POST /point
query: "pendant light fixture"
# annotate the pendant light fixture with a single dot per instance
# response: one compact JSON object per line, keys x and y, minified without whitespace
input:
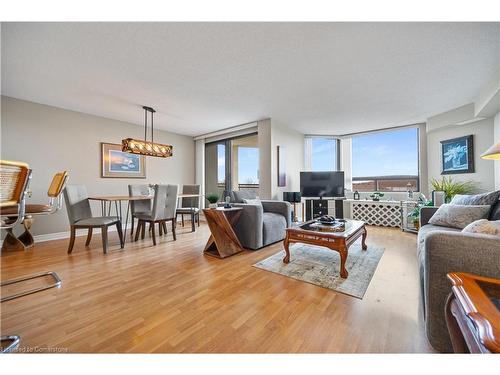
{"x":145,"y":147}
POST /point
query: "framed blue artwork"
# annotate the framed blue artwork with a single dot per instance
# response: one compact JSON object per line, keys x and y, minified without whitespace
{"x":457,"y":155}
{"x":118,"y":164}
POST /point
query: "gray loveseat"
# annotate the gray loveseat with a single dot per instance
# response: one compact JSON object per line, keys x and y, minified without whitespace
{"x":442,"y":250}
{"x":260,"y":225}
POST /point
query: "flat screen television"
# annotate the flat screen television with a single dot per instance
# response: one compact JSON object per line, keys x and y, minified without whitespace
{"x":322,"y":184}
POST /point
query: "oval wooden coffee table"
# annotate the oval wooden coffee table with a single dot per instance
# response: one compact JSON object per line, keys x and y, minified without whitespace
{"x":326,"y":236}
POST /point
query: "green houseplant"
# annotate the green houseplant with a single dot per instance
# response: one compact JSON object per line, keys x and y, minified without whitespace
{"x":451,"y":187}
{"x":376,"y":196}
{"x":212,"y":198}
{"x":414,"y":214}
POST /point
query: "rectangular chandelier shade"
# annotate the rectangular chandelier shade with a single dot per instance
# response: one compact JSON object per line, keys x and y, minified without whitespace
{"x":493,"y":153}
{"x":141,"y":147}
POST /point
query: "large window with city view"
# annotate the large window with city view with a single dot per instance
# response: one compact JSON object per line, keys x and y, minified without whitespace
{"x":386,"y":161}
{"x":321,"y":153}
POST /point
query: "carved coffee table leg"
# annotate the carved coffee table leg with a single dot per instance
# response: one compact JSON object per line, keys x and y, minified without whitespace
{"x":343,"y":259}
{"x":286,"y":245}
{"x":363,"y":240}
{"x":26,"y":238}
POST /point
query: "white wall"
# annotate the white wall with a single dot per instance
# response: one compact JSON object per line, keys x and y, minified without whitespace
{"x":265,"y":158}
{"x":496,"y":163}
{"x":51,"y":139}
{"x":293,"y":143}
{"x":483,"y":137}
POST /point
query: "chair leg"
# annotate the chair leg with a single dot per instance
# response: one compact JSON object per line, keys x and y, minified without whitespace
{"x":164,"y":225}
{"x":132,"y":229}
{"x":89,"y":237}
{"x":71,"y":239}
{"x":198,"y":218}
{"x":137,"y":231}
{"x":192,"y":222}
{"x":143,"y":230}
{"x":104,"y":234}
{"x":120,"y":233}
{"x":173,"y":230}
{"x":152,"y":226}
{"x":160,"y":227}
{"x":182,"y":216}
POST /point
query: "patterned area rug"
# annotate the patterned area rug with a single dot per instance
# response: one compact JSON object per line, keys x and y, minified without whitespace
{"x":320,"y":266}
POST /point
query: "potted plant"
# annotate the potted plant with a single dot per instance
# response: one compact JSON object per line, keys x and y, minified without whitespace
{"x":414,"y":214}
{"x":376,"y":196}
{"x":212,"y":198}
{"x":451,"y":187}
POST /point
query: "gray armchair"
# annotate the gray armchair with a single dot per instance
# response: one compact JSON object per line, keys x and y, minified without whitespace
{"x":442,"y":250}
{"x":260,"y":225}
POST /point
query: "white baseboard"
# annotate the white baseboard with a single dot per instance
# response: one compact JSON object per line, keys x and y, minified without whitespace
{"x":63,"y":235}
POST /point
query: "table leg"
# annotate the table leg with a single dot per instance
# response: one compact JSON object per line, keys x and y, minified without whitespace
{"x":11,"y":243}
{"x":457,"y":339}
{"x":363,"y":239}
{"x":286,"y":245}
{"x":26,"y":238}
{"x":126,"y":221}
{"x":343,"y":258}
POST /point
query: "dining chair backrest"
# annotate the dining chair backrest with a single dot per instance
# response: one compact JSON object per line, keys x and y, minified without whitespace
{"x":77,"y":203}
{"x":57,"y":185}
{"x":14,"y":181}
{"x":14,"y":177}
{"x":164,"y":202}
{"x":193,"y":202}
{"x":172,"y":201}
{"x":142,"y":205}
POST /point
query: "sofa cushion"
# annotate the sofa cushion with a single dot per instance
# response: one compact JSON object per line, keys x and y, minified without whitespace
{"x":243,"y":194}
{"x":425,"y":230}
{"x":274,"y":227}
{"x":256,"y":201}
{"x":477,"y":199}
{"x":458,"y":216}
{"x":495,"y":211}
{"x":483,"y":226}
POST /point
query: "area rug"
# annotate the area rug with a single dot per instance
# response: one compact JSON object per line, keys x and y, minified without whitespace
{"x":320,"y":266}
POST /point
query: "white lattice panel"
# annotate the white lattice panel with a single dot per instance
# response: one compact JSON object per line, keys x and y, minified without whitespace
{"x":385,"y":215}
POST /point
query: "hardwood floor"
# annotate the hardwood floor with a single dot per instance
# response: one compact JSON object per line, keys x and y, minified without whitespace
{"x":171,"y":298}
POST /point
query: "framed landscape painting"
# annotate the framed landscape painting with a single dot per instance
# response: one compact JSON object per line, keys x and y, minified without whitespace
{"x":118,"y":164}
{"x":457,"y":155}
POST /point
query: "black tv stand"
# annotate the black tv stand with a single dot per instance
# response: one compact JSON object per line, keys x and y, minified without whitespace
{"x":316,"y":207}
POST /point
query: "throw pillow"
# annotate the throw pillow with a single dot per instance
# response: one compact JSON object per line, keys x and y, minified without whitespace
{"x":458,"y":216}
{"x":483,"y":226}
{"x":478,"y":199}
{"x":253,"y":201}
{"x":240,"y":195}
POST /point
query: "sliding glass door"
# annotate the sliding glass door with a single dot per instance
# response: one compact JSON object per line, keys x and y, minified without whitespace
{"x":232,"y":164}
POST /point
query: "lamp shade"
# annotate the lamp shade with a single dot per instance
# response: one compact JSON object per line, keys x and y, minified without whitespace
{"x":493,"y":153}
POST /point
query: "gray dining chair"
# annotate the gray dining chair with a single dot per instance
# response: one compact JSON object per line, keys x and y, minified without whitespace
{"x":190,"y":205}
{"x":164,"y":209}
{"x":80,"y":216}
{"x":141,"y":206}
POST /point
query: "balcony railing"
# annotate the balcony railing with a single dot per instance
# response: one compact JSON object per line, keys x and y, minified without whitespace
{"x":385,"y":183}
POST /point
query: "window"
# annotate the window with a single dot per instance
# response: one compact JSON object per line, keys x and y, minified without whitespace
{"x":248,"y":165}
{"x":321,"y":153}
{"x":221,"y":163}
{"x":386,"y":161}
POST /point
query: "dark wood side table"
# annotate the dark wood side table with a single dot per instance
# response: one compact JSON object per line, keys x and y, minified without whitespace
{"x":223,"y":242}
{"x":473,"y":313}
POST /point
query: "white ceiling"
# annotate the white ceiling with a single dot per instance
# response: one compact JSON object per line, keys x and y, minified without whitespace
{"x":321,"y":78}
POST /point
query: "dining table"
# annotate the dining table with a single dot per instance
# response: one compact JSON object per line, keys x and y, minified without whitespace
{"x":107,"y":202}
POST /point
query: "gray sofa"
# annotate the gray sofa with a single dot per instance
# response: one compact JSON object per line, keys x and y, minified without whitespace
{"x":260,"y":225}
{"x":442,"y":250}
